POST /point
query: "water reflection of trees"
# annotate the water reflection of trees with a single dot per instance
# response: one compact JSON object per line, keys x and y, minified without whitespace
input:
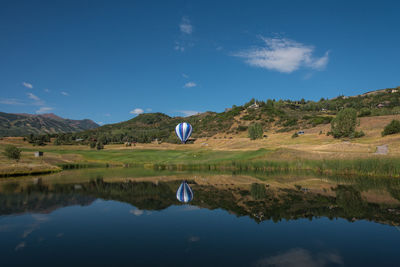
{"x":257,"y":201}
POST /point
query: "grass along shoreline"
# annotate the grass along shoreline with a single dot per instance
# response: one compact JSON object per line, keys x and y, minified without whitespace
{"x":261,"y":161}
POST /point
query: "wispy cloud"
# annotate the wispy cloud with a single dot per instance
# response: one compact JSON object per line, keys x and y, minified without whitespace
{"x":179,"y":47}
{"x":47,"y":90}
{"x":64,"y":93}
{"x":33,"y":97}
{"x":148,"y":109}
{"x":36,"y":99}
{"x":137,"y":111}
{"x":190,"y":85}
{"x":27,"y":85}
{"x":100,"y":123}
{"x":107,"y":115}
{"x":188,"y":113}
{"x":184,"y":75}
{"x":283,"y":55}
{"x":185,"y":26}
{"x":11,"y":101}
{"x":185,"y":40}
{"x":42,"y":110}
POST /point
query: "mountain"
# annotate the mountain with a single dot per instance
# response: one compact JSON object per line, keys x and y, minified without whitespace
{"x":277,"y":116}
{"x":24,"y":124}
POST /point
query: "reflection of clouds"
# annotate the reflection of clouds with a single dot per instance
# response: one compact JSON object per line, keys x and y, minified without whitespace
{"x":30,"y":230}
{"x":301,"y":257}
{"x":136,"y":212}
{"x":39,"y":218}
{"x":189,"y":208}
{"x":6,"y":227}
{"x":193,"y":239}
{"x":20,"y":246}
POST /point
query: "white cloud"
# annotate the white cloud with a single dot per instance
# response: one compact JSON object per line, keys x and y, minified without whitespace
{"x":64,"y":93}
{"x":100,"y":123}
{"x":283,"y":55}
{"x":27,"y":85}
{"x":11,"y":101}
{"x":42,"y":110}
{"x":37,"y":100}
{"x":188,"y":113}
{"x":32,"y":96}
{"x":148,"y":109}
{"x":179,"y":47}
{"x":47,"y":90}
{"x":190,"y":85}
{"x":184,"y":75}
{"x":185,"y":26}
{"x":136,"y":111}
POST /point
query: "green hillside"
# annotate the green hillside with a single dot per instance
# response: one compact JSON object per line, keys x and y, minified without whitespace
{"x":278,"y":116}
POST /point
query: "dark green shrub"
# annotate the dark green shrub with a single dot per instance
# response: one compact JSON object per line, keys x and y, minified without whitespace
{"x":392,"y":128}
{"x":364,"y":112}
{"x":99,"y":146}
{"x":345,"y":123}
{"x":255,"y":131}
{"x":92,"y":144}
{"x":242,"y":128}
{"x":295,"y":135}
{"x":12,"y":152}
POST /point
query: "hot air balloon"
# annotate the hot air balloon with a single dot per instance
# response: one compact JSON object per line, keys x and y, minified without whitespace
{"x":184,"y":193}
{"x":183,"y":131}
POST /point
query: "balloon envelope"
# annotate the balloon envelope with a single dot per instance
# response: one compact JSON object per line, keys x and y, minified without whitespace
{"x":184,"y":193}
{"x":183,"y":131}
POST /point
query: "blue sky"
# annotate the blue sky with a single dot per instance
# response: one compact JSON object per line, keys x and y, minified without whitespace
{"x":111,"y":60}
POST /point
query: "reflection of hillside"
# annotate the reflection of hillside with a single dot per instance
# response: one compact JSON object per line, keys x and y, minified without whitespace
{"x":39,"y":199}
{"x":258,"y":201}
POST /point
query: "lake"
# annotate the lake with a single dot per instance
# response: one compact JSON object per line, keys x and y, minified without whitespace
{"x":127,"y":216}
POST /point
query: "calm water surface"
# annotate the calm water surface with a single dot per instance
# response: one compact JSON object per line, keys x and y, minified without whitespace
{"x":132,"y":217}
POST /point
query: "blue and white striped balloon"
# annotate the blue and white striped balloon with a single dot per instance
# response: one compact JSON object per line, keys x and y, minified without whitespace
{"x":184,"y":193}
{"x":183,"y":131}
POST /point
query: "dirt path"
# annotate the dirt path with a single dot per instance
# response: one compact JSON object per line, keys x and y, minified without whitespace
{"x":382,"y":150}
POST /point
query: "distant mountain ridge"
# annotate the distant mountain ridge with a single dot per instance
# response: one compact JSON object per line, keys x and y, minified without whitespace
{"x":13,"y":124}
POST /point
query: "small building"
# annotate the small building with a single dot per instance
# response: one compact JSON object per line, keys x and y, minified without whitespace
{"x":254,"y":106}
{"x":38,"y":154}
{"x":383,"y":104}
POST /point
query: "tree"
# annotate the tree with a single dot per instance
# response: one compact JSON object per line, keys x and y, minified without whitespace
{"x":345,"y":123}
{"x":392,"y":128}
{"x":12,"y":152}
{"x":255,"y":131}
{"x":92,"y":144}
{"x":99,"y":146}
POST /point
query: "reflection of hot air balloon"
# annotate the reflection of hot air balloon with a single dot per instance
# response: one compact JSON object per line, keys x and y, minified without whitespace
{"x":183,"y":131}
{"x":184,"y":193}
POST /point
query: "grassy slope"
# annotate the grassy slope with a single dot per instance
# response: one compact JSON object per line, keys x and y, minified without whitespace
{"x":310,"y":151}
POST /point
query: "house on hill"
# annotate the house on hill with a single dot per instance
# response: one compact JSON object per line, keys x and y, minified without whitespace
{"x":254,"y":106}
{"x":383,"y":104}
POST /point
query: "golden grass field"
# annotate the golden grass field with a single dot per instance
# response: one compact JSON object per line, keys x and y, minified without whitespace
{"x":314,"y":144}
